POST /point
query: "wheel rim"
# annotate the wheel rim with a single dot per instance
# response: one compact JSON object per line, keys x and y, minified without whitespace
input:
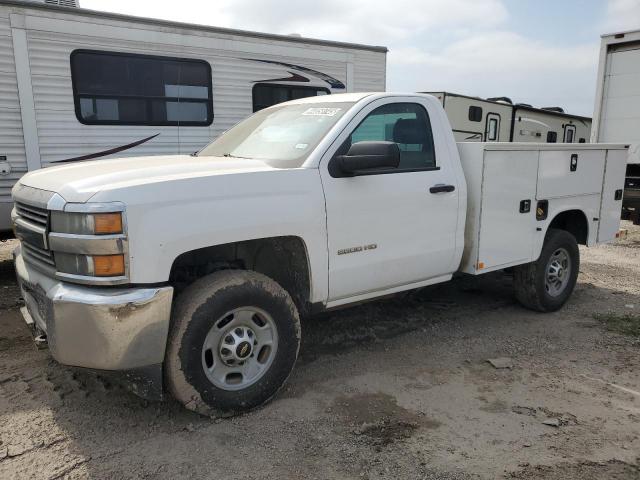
{"x":558,"y":272}
{"x":239,"y":348}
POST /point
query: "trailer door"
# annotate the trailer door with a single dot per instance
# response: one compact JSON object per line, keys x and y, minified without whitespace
{"x":620,"y":119}
{"x":492,"y":130}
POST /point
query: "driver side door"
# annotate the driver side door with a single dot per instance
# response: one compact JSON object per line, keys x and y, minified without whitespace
{"x":393,"y":229}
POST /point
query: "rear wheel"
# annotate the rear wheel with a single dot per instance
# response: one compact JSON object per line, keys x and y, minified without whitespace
{"x":546,"y":284}
{"x":233,"y":342}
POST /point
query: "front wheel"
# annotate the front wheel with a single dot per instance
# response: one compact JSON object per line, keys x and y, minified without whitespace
{"x":546,"y":284}
{"x":233,"y":342}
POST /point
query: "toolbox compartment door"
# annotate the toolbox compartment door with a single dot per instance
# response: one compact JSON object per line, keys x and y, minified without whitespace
{"x":507,"y":221}
{"x":611,"y":204}
{"x":567,"y":173}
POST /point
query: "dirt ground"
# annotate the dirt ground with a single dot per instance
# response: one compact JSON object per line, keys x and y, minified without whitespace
{"x":397,"y":389}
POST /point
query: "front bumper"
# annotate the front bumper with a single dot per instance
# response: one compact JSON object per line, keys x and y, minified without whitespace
{"x":116,"y":329}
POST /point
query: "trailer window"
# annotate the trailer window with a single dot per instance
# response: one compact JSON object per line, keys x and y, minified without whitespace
{"x":112,"y":88}
{"x":552,"y":137}
{"x":406,"y":124}
{"x":475,"y":113}
{"x":268,"y":94}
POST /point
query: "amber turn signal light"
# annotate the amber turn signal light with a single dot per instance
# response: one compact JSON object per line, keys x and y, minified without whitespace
{"x":106,"y":223}
{"x":108,"y":265}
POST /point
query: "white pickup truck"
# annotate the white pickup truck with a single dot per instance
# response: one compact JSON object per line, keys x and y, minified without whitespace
{"x":190,"y":273}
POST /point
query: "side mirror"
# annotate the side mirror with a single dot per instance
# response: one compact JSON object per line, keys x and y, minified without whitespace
{"x":363,"y":156}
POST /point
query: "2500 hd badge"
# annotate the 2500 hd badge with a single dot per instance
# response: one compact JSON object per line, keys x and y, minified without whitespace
{"x":344,"y":251}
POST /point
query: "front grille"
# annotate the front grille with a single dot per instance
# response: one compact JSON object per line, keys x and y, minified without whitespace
{"x":40,"y":217}
{"x":37,"y":215}
{"x":38,"y":254}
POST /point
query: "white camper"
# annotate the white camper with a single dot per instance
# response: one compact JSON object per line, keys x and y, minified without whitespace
{"x":616,"y":115}
{"x":77,"y":84}
{"x":500,"y":120}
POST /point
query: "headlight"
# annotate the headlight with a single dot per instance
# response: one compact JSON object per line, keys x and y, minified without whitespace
{"x":90,"y":245}
{"x":91,"y":265}
{"x":86,"y":223}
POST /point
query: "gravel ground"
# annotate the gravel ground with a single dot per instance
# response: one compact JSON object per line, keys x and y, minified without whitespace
{"x":397,"y":389}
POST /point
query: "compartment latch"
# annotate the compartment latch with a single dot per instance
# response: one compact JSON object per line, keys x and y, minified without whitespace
{"x":525,"y":206}
{"x":574,"y":162}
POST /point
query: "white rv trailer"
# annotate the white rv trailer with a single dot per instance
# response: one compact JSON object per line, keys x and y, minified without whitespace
{"x":499,"y":120}
{"x":616,"y":116}
{"x":77,"y":84}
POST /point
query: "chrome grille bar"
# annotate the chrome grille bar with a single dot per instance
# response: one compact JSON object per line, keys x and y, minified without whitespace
{"x":44,"y":256}
{"x":37,"y":215}
{"x":39,"y":219}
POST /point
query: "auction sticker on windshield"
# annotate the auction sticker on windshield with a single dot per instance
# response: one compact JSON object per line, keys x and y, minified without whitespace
{"x":324,"y":112}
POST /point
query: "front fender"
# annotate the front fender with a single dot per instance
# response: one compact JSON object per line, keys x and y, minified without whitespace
{"x":168,"y":219}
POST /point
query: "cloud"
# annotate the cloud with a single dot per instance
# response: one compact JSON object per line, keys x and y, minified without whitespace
{"x":373,"y":21}
{"x":463,"y":46}
{"x":363,"y":21}
{"x":502,"y":63}
{"x":622,"y":15}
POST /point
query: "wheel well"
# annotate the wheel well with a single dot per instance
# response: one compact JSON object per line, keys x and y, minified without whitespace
{"x":284,"y":259}
{"x":574,"y":222}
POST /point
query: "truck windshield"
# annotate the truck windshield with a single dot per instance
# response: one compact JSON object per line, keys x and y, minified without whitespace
{"x":283,"y":136}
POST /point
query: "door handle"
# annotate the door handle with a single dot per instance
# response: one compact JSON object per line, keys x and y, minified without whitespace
{"x":442,"y":188}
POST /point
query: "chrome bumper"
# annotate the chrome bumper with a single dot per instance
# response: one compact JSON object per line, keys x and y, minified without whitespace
{"x":123,"y":329}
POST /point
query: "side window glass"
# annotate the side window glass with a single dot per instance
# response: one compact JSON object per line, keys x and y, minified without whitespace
{"x":406,"y":124}
{"x":552,"y":137}
{"x":492,"y":130}
{"x":475,"y":113}
{"x":117,"y":88}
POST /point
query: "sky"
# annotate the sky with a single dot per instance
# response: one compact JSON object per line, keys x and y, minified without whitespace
{"x":541,"y":52}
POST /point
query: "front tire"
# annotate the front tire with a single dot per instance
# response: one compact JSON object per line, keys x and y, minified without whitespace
{"x":546,"y":284}
{"x":234,"y":340}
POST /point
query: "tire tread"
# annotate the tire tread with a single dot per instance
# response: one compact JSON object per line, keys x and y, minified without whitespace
{"x":186,"y":305}
{"x":528,"y":279}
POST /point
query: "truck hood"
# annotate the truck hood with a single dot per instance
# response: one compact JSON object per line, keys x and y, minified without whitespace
{"x":78,"y":182}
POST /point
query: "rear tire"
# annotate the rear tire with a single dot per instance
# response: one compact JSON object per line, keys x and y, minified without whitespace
{"x":546,"y":284}
{"x":233,"y":342}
